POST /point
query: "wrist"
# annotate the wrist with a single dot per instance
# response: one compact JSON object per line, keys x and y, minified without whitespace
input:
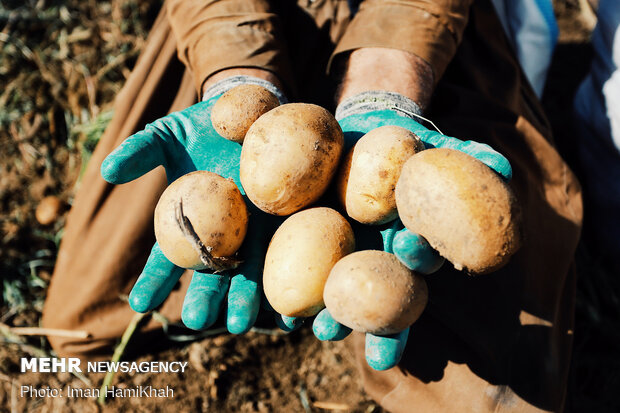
{"x":225,"y":84}
{"x":374,"y":100}
{"x":376,"y":68}
{"x":242,"y":71}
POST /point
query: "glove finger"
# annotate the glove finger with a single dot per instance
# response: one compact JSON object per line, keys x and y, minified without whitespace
{"x":488,"y":156}
{"x":326,"y":328}
{"x":411,"y":249}
{"x":384,"y":352}
{"x":203,"y":299}
{"x":481,"y":151}
{"x":357,"y":125}
{"x":244,"y":296}
{"x":243,"y":303}
{"x":288,"y":324}
{"x":416,"y":253}
{"x":388,"y":232}
{"x":155,"y":283}
{"x":137,"y":155}
{"x":285,"y":323}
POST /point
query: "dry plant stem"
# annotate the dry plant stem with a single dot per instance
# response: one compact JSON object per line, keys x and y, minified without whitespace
{"x":216,"y":264}
{"x":13,"y":398}
{"x":14,"y":383}
{"x":12,"y":338}
{"x":303,"y":396}
{"x":331,"y":406}
{"x":209,"y":333}
{"x":118,"y":352}
{"x":38,"y":331}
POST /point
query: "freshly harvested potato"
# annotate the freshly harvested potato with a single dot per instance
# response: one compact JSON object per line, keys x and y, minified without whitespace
{"x":236,"y":110}
{"x":300,"y":255}
{"x":368,"y":175}
{"x":372,"y":292}
{"x":49,"y":210}
{"x":200,"y":221}
{"x":462,"y":207}
{"x":289,"y":156}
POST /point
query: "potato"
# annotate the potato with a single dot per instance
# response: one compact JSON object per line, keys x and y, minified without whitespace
{"x":236,"y":110}
{"x":372,"y":292}
{"x":289,"y":156}
{"x":368,"y":175}
{"x":49,"y":210}
{"x":300,"y":255}
{"x":200,"y":221}
{"x":462,"y":207}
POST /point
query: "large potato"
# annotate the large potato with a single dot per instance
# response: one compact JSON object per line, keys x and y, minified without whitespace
{"x":369,"y":173}
{"x":289,"y":156}
{"x":201,"y":207}
{"x":372,"y":292}
{"x":236,"y":110}
{"x":462,"y":207}
{"x":301,"y":253}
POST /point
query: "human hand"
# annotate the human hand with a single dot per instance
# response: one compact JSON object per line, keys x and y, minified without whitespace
{"x":383,"y":352}
{"x":183,"y":142}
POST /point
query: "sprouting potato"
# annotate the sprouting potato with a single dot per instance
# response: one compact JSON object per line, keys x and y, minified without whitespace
{"x":200,"y":221}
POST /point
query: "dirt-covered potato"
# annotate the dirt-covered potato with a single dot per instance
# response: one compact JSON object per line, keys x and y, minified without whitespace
{"x":368,"y":175}
{"x":301,"y":253}
{"x":462,"y":207}
{"x":236,"y":110}
{"x":289,"y":156}
{"x":372,"y":292}
{"x":200,"y":221}
{"x":49,"y":210}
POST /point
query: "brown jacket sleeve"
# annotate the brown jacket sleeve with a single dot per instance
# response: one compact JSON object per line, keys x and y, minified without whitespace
{"x":431,"y":30}
{"x":215,"y":35}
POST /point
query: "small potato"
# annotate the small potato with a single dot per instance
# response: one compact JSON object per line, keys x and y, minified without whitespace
{"x":236,"y":110}
{"x":289,"y":156}
{"x":301,"y":253}
{"x":462,"y":207}
{"x":201,"y":207}
{"x":49,"y":210}
{"x":372,"y":292}
{"x":368,"y":175}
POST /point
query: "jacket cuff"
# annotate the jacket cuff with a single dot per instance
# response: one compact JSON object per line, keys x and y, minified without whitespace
{"x":429,"y":34}
{"x":214,"y":36}
{"x":229,"y":83}
{"x":373,"y":100}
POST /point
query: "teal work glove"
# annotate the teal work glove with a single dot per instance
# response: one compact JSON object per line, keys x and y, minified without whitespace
{"x":357,"y":116}
{"x":382,"y":352}
{"x":183,"y":142}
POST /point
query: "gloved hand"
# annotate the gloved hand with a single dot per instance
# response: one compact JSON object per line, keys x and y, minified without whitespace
{"x":357,"y":116}
{"x":183,"y":142}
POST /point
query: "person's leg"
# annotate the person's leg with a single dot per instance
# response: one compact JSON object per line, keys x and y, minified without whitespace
{"x":499,"y":342}
{"x":597,"y":116}
{"x":532,"y":30}
{"x":109,"y":230}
